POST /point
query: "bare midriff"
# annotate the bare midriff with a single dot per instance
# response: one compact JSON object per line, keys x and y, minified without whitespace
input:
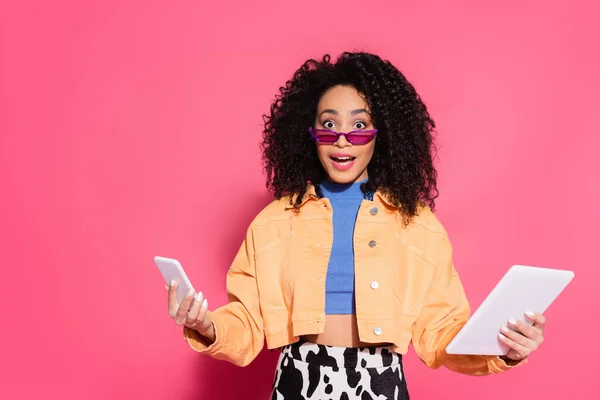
{"x":340,"y":331}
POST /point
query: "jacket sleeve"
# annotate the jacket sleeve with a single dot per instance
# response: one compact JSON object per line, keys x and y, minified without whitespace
{"x":238,"y":325}
{"x":444,"y":313}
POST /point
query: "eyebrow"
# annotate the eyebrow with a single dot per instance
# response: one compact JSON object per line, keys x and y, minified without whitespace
{"x":358,"y":111}
{"x":334,"y":112}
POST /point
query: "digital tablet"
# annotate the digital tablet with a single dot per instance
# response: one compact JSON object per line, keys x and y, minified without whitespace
{"x":521,"y":289}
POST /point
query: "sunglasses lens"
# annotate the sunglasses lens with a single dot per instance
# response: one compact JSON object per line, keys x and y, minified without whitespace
{"x":359,"y":138}
{"x":326,"y":137}
{"x":355,"y":137}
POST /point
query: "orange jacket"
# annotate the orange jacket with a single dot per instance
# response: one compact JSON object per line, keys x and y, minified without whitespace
{"x":407,"y":289}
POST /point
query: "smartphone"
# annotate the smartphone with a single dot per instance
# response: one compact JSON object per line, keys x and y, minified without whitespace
{"x":171,"y":269}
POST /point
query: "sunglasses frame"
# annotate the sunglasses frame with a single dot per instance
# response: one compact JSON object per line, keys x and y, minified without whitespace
{"x":313,"y":132}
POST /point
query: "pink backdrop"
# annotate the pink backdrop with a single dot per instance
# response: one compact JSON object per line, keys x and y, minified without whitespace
{"x":121,"y":123}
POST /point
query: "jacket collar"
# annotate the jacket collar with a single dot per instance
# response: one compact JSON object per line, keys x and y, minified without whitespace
{"x":312,"y":195}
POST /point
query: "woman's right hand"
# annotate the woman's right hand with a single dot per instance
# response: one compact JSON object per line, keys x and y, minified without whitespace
{"x":192,"y":312}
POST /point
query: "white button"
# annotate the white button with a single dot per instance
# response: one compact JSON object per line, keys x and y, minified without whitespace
{"x":377,"y":331}
{"x":374,"y":285}
{"x":374,"y":211}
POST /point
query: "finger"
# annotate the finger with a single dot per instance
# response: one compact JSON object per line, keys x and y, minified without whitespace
{"x":203,"y":321}
{"x":539,"y":320}
{"x":173,"y":299}
{"x":517,"y":351}
{"x":184,"y":307}
{"x":532,"y":332}
{"x":519,"y":338}
{"x":192,"y":315}
{"x":525,"y":329}
{"x":513,"y":355}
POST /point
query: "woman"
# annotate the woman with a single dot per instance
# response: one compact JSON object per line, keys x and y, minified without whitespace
{"x":349,"y":264}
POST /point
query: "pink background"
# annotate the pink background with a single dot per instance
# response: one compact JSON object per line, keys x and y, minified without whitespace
{"x":131,"y":129}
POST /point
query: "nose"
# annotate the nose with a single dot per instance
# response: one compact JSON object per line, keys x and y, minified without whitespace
{"x":341,"y":142}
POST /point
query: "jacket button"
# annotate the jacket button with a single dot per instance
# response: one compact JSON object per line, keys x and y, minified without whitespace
{"x":377,"y":331}
{"x":372,"y":243}
{"x":374,"y":211}
{"x":374,"y":285}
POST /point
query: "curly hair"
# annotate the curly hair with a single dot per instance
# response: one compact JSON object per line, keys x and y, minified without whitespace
{"x":402,"y":163}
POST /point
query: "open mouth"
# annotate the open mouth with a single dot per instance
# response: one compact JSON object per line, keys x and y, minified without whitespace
{"x":343,"y":160}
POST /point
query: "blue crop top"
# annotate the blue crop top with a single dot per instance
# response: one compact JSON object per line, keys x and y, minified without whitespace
{"x":345,"y":201}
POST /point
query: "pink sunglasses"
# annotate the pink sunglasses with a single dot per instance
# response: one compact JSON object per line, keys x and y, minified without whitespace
{"x":353,"y":137}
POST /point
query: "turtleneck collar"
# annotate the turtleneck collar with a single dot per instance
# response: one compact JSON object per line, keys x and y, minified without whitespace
{"x":345,"y":190}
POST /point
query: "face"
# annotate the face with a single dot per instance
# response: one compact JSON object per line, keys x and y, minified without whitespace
{"x":343,"y":109}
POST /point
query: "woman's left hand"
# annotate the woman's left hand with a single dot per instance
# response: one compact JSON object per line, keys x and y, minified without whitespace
{"x":522,"y":338}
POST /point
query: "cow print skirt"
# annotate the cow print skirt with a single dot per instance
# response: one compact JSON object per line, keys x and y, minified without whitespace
{"x":314,"y":371}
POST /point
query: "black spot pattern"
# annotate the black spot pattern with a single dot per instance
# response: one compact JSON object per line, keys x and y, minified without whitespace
{"x":353,"y":377}
{"x":314,"y":368}
{"x":296,"y":352}
{"x":322,"y":372}
{"x":290,"y":380}
{"x":366,"y":396}
{"x":385,"y":383}
{"x":358,"y":390}
{"x":350,"y":358}
{"x":387,"y":357}
{"x":350,"y":363}
{"x":314,"y":375}
{"x":323,"y":358}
